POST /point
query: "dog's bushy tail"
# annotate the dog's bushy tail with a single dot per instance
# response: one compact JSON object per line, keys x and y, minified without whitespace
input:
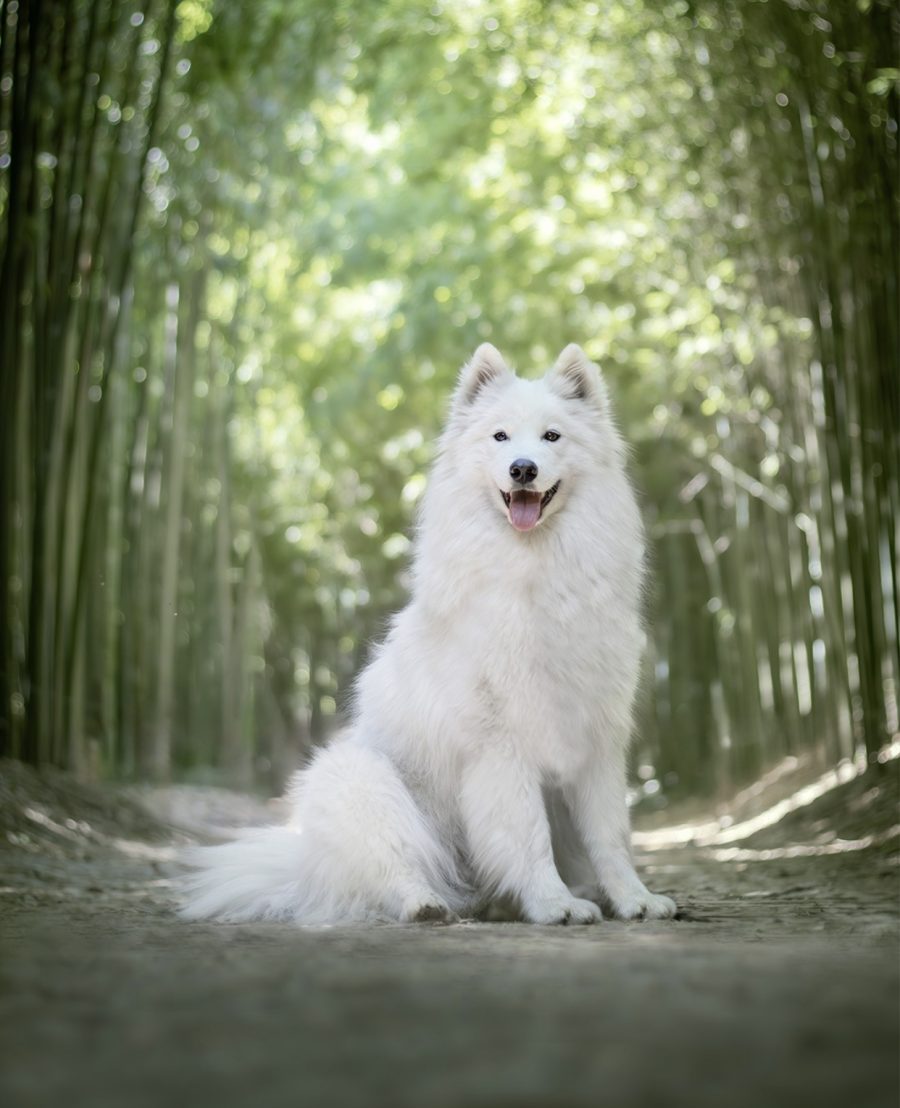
{"x":260,"y":876}
{"x":357,"y":848}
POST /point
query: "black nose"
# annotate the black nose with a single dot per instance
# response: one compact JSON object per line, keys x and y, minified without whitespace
{"x":523,"y":470}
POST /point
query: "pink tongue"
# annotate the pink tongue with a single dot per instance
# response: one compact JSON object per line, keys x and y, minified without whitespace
{"x":524,"y":510}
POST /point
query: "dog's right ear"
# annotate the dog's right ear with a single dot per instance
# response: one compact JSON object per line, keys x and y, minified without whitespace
{"x":576,"y":377}
{"x":486,"y":365}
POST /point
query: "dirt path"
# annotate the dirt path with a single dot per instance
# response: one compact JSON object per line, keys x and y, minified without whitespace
{"x":779,"y":987}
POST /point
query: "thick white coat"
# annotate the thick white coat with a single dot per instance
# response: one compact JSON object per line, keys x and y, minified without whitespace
{"x":487,"y":749}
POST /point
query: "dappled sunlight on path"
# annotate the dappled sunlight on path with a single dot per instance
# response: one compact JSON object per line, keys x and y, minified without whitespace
{"x":791,"y":959}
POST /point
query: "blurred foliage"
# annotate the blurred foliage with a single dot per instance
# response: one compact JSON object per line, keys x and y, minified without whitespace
{"x":247,"y":247}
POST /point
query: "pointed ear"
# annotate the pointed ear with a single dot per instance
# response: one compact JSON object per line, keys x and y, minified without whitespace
{"x":576,"y":377}
{"x":485,"y":366}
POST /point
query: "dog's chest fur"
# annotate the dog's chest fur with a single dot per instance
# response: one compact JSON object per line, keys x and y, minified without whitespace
{"x":555,"y":650}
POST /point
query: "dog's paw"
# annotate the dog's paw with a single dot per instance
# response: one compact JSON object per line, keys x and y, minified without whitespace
{"x":563,"y":910}
{"x":430,"y":911}
{"x":643,"y":906}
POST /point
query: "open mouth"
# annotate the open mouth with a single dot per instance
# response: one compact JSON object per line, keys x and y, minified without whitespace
{"x":526,"y":506}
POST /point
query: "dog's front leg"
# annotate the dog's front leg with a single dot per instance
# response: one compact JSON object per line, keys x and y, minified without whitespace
{"x":509,"y":835}
{"x":599,"y":804}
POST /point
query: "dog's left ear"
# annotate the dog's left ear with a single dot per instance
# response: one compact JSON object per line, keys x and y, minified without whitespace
{"x":487,"y":365}
{"x":576,"y":377}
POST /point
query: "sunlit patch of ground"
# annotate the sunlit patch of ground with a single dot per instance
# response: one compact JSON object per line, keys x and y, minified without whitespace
{"x":853,"y":803}
{"x":777,"y":985}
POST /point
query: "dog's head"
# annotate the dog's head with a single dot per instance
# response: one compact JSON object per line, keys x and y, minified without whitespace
{"x":533,"y":442}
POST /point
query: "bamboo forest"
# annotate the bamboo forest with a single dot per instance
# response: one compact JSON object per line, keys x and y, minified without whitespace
{"x":246,"y":248}
{"x":248,"y":252}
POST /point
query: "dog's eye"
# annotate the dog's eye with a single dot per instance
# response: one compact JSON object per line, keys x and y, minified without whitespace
{"x":501,"y":436}
{"x":551,"y":436}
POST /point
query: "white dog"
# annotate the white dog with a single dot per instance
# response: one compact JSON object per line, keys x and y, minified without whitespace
{"x":486,"y":753}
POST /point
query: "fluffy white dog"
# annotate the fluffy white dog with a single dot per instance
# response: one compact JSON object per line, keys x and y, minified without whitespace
{"x":486,"y":753}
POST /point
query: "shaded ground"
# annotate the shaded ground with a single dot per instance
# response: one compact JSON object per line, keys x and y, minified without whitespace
{"x":778,"y":987}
